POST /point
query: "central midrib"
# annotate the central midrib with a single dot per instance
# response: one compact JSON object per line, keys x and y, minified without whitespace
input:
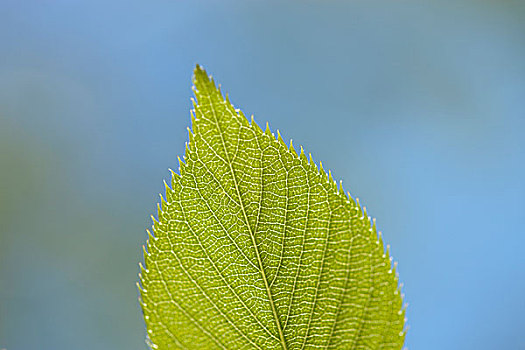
{"x":252,"y":235}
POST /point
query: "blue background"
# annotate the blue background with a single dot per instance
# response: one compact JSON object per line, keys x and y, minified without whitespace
{"x":419,"y":106}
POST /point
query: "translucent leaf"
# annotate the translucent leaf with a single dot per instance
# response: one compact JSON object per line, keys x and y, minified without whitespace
{"x":257,"y":248}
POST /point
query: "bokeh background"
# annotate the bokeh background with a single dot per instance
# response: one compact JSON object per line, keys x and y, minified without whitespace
{"x":419,"y":106}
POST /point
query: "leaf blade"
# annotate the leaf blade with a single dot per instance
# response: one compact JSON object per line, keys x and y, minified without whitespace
{"x":263,"y":247}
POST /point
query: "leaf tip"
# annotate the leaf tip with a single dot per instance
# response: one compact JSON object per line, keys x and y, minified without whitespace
{"x":199,"y":73}
{"x":201,"y":80}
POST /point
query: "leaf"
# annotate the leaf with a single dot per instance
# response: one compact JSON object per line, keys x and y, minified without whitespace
{"x":257,"y":248}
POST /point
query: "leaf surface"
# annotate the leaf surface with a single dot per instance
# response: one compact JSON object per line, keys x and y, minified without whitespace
{"x":257,"y":248}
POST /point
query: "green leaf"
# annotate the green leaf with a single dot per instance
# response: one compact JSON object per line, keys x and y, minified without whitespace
{"x":257,"y":248}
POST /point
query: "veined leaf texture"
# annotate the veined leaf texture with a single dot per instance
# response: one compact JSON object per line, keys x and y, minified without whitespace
{"x":255,"y":247}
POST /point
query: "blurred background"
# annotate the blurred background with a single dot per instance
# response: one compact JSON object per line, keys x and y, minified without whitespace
{"x":418,"y":106}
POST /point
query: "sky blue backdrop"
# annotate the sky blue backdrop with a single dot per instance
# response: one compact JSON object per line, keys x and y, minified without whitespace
{"x":418,"y":106}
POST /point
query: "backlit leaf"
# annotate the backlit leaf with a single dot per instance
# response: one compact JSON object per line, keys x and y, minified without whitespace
{"x":255,"y":247}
